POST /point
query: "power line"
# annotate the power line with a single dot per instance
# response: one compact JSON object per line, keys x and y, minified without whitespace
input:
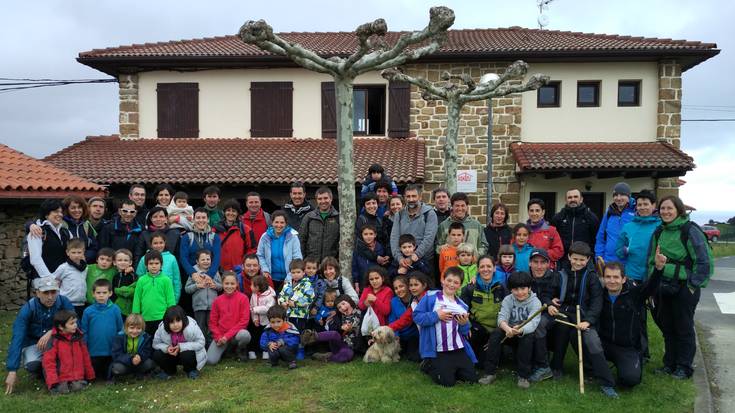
{"x":14,"y":84}
{"x":709,"y":120}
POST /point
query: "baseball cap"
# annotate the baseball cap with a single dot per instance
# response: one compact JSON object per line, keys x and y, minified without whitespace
{"x":539,"y":252}
{"x":45,"y":284}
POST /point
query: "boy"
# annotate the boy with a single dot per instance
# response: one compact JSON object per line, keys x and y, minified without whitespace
{"x":407,"y":244}
{"x":154,"y":293}
{"x":448,"y":252}
{"x":297,"y":296}
{"x":103,"y":269}
{"x":66,"y":364}
{"x":211,"y":200}
{"x":467,"y":256}
{"x":376,"y":173}
{"x":123,"y":282}
{"x":180,"y":213}
{"x":203,"y":292}
{"x":100,"y":323}
{"x":132,"y":349}
{"x":515,"y":309}
{"x":72,"y":275}
{"x":311,"y":267}
{"x":280,"y":339}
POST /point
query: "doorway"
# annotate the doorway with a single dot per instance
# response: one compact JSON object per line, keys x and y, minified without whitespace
{"x":595,"y":201}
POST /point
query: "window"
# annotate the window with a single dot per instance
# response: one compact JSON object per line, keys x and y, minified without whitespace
{"x":588,"y":94}
{"x":368,"y":110}
{"x":271,"y":109}
{"x":549,"y":199}
{"x":549,"y":95}
{"x":629,"y":93}
{"x":178,"y":110}
{"x":369,"y":107}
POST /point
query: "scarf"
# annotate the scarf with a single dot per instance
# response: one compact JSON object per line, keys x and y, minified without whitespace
{"x":300,"y":210}
{"x":153,"y":228}
{"x":364,"y":251}
{"x":80,"y":267}
{"x":177,"y":338}
{"x":537,"y":226}
{"x":284,"y":327}
{"x":482,"y":285}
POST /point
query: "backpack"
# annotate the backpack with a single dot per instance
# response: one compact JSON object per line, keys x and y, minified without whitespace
{"x":688,"y":262}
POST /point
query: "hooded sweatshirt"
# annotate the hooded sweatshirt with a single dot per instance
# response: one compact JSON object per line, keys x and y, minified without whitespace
{"x":94,"y":273}
{"x":276,"y":253}
{"x":260,"y":303}
{"x":610,"y":227}
{"x":153,"y":295}
{"x":170,"y":269}
{"x":193,"y":241}
{"x":123,"y":290}
{"x":101,"y":322}
{"x":514,"y":312}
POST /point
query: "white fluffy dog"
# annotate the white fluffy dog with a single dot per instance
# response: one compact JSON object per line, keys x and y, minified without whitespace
{"x":385,"y":347}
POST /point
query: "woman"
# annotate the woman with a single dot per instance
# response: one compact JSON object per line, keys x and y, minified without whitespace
{"x":163,"y":194}
{"x":277,"y":247}
{"x":687,"y":267}
{"x":497,"y":231}
{"x":48,"y":251}
{"x":395,"y":205}
{"x":157,"y":220}
{"x":76,"y":220}
{"x":235,"y":236}
{"x":542,"y":234}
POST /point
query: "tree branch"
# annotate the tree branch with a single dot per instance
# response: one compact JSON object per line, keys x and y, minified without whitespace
{"x":364,"y":32}
{"x":395,"y":75}
{"x":535,"y":82}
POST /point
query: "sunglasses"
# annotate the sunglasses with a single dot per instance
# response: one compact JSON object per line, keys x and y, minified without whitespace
{"x":128,"y":211}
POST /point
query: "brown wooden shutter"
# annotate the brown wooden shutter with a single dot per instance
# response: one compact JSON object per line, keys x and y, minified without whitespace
{"x":329,"y":110}
{"x":178,"y":110}
{"x":399,"y":103}
{"x":271,"y":109}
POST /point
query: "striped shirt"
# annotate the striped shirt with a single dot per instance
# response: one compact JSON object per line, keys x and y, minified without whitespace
{"x":447,"y":332}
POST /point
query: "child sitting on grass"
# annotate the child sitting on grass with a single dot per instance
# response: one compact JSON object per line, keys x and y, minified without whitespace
{"x":178,"y":340}
{"x":377,"y":294}
{"x":170,"y":266}
{"x":72,"y":276}
{"x":101,"y":322}
{"x":66,"y":365}
{"x":327,"y":310}
{"x":102,"y":269}
{"x":262,"y":299}
{"x":229,"y":321}
{"x":343,"y":335}
{"x":153,"y":293}
{"x":132,"y":349}
{"x":123,"y":282}
{"x":280,"y":338}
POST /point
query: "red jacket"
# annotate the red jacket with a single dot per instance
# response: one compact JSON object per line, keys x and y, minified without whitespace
{"x":406,"y":318}
{"x":381,"y":306}
{"x":230,"y":314}
{"x":548,"y":238}
{"x":67,"y":360}
{"x":236,"y":242}
{"x":256,"y":227}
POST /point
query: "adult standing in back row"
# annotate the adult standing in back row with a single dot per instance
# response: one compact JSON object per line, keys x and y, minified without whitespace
{"x":419,"y":220}
{"x":319,"y":232}
{"x":254,"y":217}
{"x":619,"y":213}
{"x":297,"y":206}
{"x":542,"y":234}
{"x":576,"y":222}
{"x":474,"y":232}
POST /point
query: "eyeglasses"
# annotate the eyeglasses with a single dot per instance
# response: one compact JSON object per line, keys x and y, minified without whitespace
{"x":128,"y":211}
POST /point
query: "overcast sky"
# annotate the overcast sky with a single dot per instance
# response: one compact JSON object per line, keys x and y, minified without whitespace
{"x":41,"y":39}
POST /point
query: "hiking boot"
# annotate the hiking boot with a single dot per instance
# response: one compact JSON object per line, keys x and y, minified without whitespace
{"x":487,"y":379}
{"x":609,"y":392}
{"x":77,"y":385}
{"x":541,"y":374}
{"x":265,"y":355}
{"x":61,"y":388}
{"x":680,"y":374}
{"x":194,"y":374}
{"x":292,"y":365}
{"x":162,"y":375}
{"x":523,"y":383}
{"x":558,"y":374}
{"x":321,"y":356}
{"x":664,"y":370}
{"x":252,"y":355}
{"x":242,"y":354}
{"x":308,"y":337}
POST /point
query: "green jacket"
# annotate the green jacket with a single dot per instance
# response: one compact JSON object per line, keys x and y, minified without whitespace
{"x":671,"y":246}
{"x":153,"y":295}
{"x":470,"y":272}
{"x":484,"y":306}
{"x":170,"y":269}
{"x":216,"y":215}
{"x":94,"y":274}
{"x":474,"y":233}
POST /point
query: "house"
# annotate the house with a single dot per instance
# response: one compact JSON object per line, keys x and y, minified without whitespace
{"x":611,"y":112}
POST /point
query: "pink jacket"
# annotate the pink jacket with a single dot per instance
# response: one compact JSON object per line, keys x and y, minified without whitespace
{"x":259,"y":305}
{"x":230,"y":314}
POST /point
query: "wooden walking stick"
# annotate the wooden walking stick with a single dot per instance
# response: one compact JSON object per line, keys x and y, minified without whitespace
{"x":579,"y":351}
{"x":528,"y":320}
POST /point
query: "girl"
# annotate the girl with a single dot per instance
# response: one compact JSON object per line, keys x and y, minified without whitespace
{"x":444,"y":327}
{"x":228,"y":321}
{"x":399,"y":304}
{"x":522,"y":248}
{"x":156,"y":222}
{"x":203,"y":291}
{"x":123,"y":282}
{"x":418,"y":286}
{"x":467,"y":256}
{"x":132,"y":349}
{"x":330,"y":278}
{"x":263,"y":298}
{"x":66,"y":365}
{"x":343,"y":336}
{"x":170,"y":266}
{"x":178,"y":340}
{"x":368,"y":253}
{"x":377,"y":294}
{"x":506,"y":264}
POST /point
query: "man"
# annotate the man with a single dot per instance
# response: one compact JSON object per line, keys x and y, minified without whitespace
{"x":383,"y":191}
{"x":419,"y":220}
{"x":319,"y":231}
{"x":32,"y":330}
{"x":542,"y":234}
{"x":97,"y":209}
{"x":211,"y":202}
{"x":474,"y":231}
{"x":297,"y":206}
{"x":575,"y":222}
{"x":137,"y":195}
{"x":440,"y":197}
{"x":123,"y":231}
{"x":546,"y":283}
{"x":254,"y":217}
{"x":619,"y":213}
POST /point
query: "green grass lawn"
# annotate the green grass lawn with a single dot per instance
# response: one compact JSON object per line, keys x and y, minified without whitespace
{"x":723,"y":250}
{"x":354,"y":387}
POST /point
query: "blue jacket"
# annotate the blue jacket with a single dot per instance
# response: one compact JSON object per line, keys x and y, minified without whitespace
{"x":323,"y":312}
{"x":501,"y":276}
{"x":633,"y":245}
{"x":523,"y":256}
{"x":33,"y":321}
{"x":191,"y":242}
{"x":119,"y":355}
{"x":290,"y":337}
{"x":610,"y":228}
{"x":100,"y":324}
{"x":363,"y":258}
{"x":426,"y":318}
{"x":397,"y":308}
{"x":291,"y":250}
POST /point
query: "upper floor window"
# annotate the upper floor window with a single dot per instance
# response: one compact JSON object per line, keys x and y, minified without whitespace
{"x":629,"y":93}
{"x":588,"y":93}
{"x":271,"y":109}
{"x":549,"y":95}
{"x":178,"y":110}
{"x":368,"y":110}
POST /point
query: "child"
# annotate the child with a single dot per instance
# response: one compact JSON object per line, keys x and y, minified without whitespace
{"x":330,"y":278}
{"x":407,"y":244}
{"x":297,"y":295}
{"x":418,"y":285}
{"x":369,"y":216}
{"x":467,"y":255}
{"x":263,"y":298}
{"x":506,"y":264}
{"x":377,"y":294}
{"x":375,"y":174}
{"x":123,"y":282}
{"x":444,"y":327}
{"x":103,"y":269}
{"x":343,"y":334}
{"x":327,"y":310}
{"x":408,"y":337}
{"x":311,"y":268}
{"x":448,"y":252}
{"x":228,"y":321}
{"x":368,"y":252}
{"x":178,"y":340}
{"x":66,"y":365}
{"x":203,"y":290}
{"x":180,"y":213}
{"x":132,"y":349}
{"x":170,"y":266}
{"x":153,"y":293}
{"x":101,"y":322}
{"x":72,"y":275}
{"x":522,"y":248}
{"x":515,"y":309}
{"x":249,"y":270}
{"x":280,"y":338}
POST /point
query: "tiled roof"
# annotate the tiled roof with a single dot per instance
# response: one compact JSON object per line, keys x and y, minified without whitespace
{"x":630,"y":156}
{"x":111,"y":160}
{"x":24,"y":177}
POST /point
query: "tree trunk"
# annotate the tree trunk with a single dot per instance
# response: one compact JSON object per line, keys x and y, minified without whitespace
{"x":450,"y":145}
{"x":345,"y":174}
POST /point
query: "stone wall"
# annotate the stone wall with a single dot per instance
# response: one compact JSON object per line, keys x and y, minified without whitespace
{"x":12,"y":279}
{"x":669,"y":116}
{"x":129,"y":109}
{"x":428,"y":120}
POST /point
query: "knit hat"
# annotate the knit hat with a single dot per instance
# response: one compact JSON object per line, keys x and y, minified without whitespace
{"x":647,"y":194}
{"x":621,"y":188}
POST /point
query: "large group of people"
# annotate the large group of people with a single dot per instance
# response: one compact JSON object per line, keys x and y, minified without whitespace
{"x":141,"y":291}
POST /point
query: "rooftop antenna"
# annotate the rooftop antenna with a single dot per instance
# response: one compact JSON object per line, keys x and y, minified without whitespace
{"x":543,"y":19}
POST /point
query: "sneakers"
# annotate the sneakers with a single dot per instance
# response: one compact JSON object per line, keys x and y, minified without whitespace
{"x":194,"y":374}
{"x":292,"y":365}
{"x":541,"y":374}
{"x":252,"y":355}
{"x":558,"y":374}
{"x":523,"y":383}
{"x":78,"y":385}
{"x":321,"y":356}
{"x":61,"y":388}
{"x":265,"y":355}
{"x":162,"y":375}
{"x":609,"y":392}
{"x":680,"y":374}
{"x":487,"y":379}
{"x":664,"y":370}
